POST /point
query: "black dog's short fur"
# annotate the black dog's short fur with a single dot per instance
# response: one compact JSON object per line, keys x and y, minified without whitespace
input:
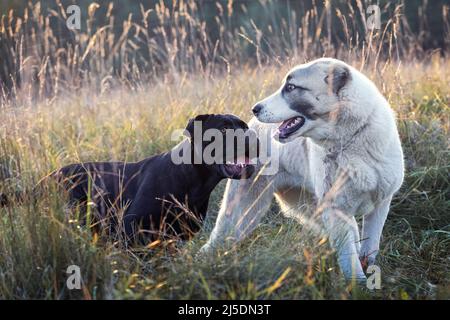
{"x":161,"y":198}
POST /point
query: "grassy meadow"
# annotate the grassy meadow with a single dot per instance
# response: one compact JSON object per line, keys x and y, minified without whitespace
{"x":281,"y":259}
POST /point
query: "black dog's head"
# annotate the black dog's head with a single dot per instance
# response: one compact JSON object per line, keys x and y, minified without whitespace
{"x":223,"y":143}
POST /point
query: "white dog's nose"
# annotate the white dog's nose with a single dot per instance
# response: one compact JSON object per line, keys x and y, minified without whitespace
{"x":256,"y":109}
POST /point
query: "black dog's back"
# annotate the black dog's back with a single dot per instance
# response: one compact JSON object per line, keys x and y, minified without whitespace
{"x":109,"y":181}
{"x":151,"y":193}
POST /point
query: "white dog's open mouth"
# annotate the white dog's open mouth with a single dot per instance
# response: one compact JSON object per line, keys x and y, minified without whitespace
{"x":289,"y":126}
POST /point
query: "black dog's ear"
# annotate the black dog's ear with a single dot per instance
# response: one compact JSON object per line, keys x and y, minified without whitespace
{"x":190,"y":126}
{"x":202,"y":117}
{"x":189,"y":130}
{"x":338,"y":76}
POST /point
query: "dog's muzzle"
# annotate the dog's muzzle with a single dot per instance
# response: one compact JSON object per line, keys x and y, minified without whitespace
{"x":241,"y":169}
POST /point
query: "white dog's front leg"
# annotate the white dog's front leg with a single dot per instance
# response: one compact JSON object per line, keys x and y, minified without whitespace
{"x":244,"y":203}
{"x":344,"y":237}
{"x":371,"y":232}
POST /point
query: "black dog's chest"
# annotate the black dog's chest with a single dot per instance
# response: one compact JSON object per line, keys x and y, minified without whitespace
{"x":175,"y":215}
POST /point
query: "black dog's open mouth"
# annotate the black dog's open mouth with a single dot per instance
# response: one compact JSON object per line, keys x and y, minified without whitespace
{"x":289,"y":126}
{"x":240,"y":169}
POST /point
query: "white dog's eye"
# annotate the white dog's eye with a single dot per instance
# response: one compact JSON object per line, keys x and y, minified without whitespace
{"x":289,"y":87}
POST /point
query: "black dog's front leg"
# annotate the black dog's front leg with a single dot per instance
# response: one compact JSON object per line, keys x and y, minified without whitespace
{"x":138,"y":214}
{"x":130,"y":227}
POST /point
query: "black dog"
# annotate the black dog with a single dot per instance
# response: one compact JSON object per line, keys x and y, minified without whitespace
{"x":160,"y":197}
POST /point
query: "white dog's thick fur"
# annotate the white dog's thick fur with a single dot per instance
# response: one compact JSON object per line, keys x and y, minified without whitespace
{"x":347,"y":157}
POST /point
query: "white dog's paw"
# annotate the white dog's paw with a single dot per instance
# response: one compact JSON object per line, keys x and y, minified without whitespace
{"x":204,"y":251}
{"x":352,"y":270}
{"x":360,"y":280}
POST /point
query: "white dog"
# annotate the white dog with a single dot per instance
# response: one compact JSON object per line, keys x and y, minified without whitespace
{"x":337,"y":141}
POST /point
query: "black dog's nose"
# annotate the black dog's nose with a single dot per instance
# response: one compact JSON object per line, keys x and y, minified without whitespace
{"x":256,"y":109}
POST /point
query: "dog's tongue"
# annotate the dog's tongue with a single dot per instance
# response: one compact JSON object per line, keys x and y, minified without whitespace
{"x":240,"y":160}
{"x":243,"y":160}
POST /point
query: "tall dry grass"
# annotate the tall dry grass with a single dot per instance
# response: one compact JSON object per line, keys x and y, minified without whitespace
{"x":43,"y":59}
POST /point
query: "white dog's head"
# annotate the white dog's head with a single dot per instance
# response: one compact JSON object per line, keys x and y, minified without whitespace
{"x":308,"y":102}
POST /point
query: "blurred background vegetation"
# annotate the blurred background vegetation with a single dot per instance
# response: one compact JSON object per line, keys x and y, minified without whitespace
{"x":265,"y":13}
{"x":420,"y":14}
{"x":131,"y":42}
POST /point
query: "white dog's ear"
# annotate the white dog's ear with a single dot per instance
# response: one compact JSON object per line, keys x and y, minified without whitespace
{"x":338,"y":76}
